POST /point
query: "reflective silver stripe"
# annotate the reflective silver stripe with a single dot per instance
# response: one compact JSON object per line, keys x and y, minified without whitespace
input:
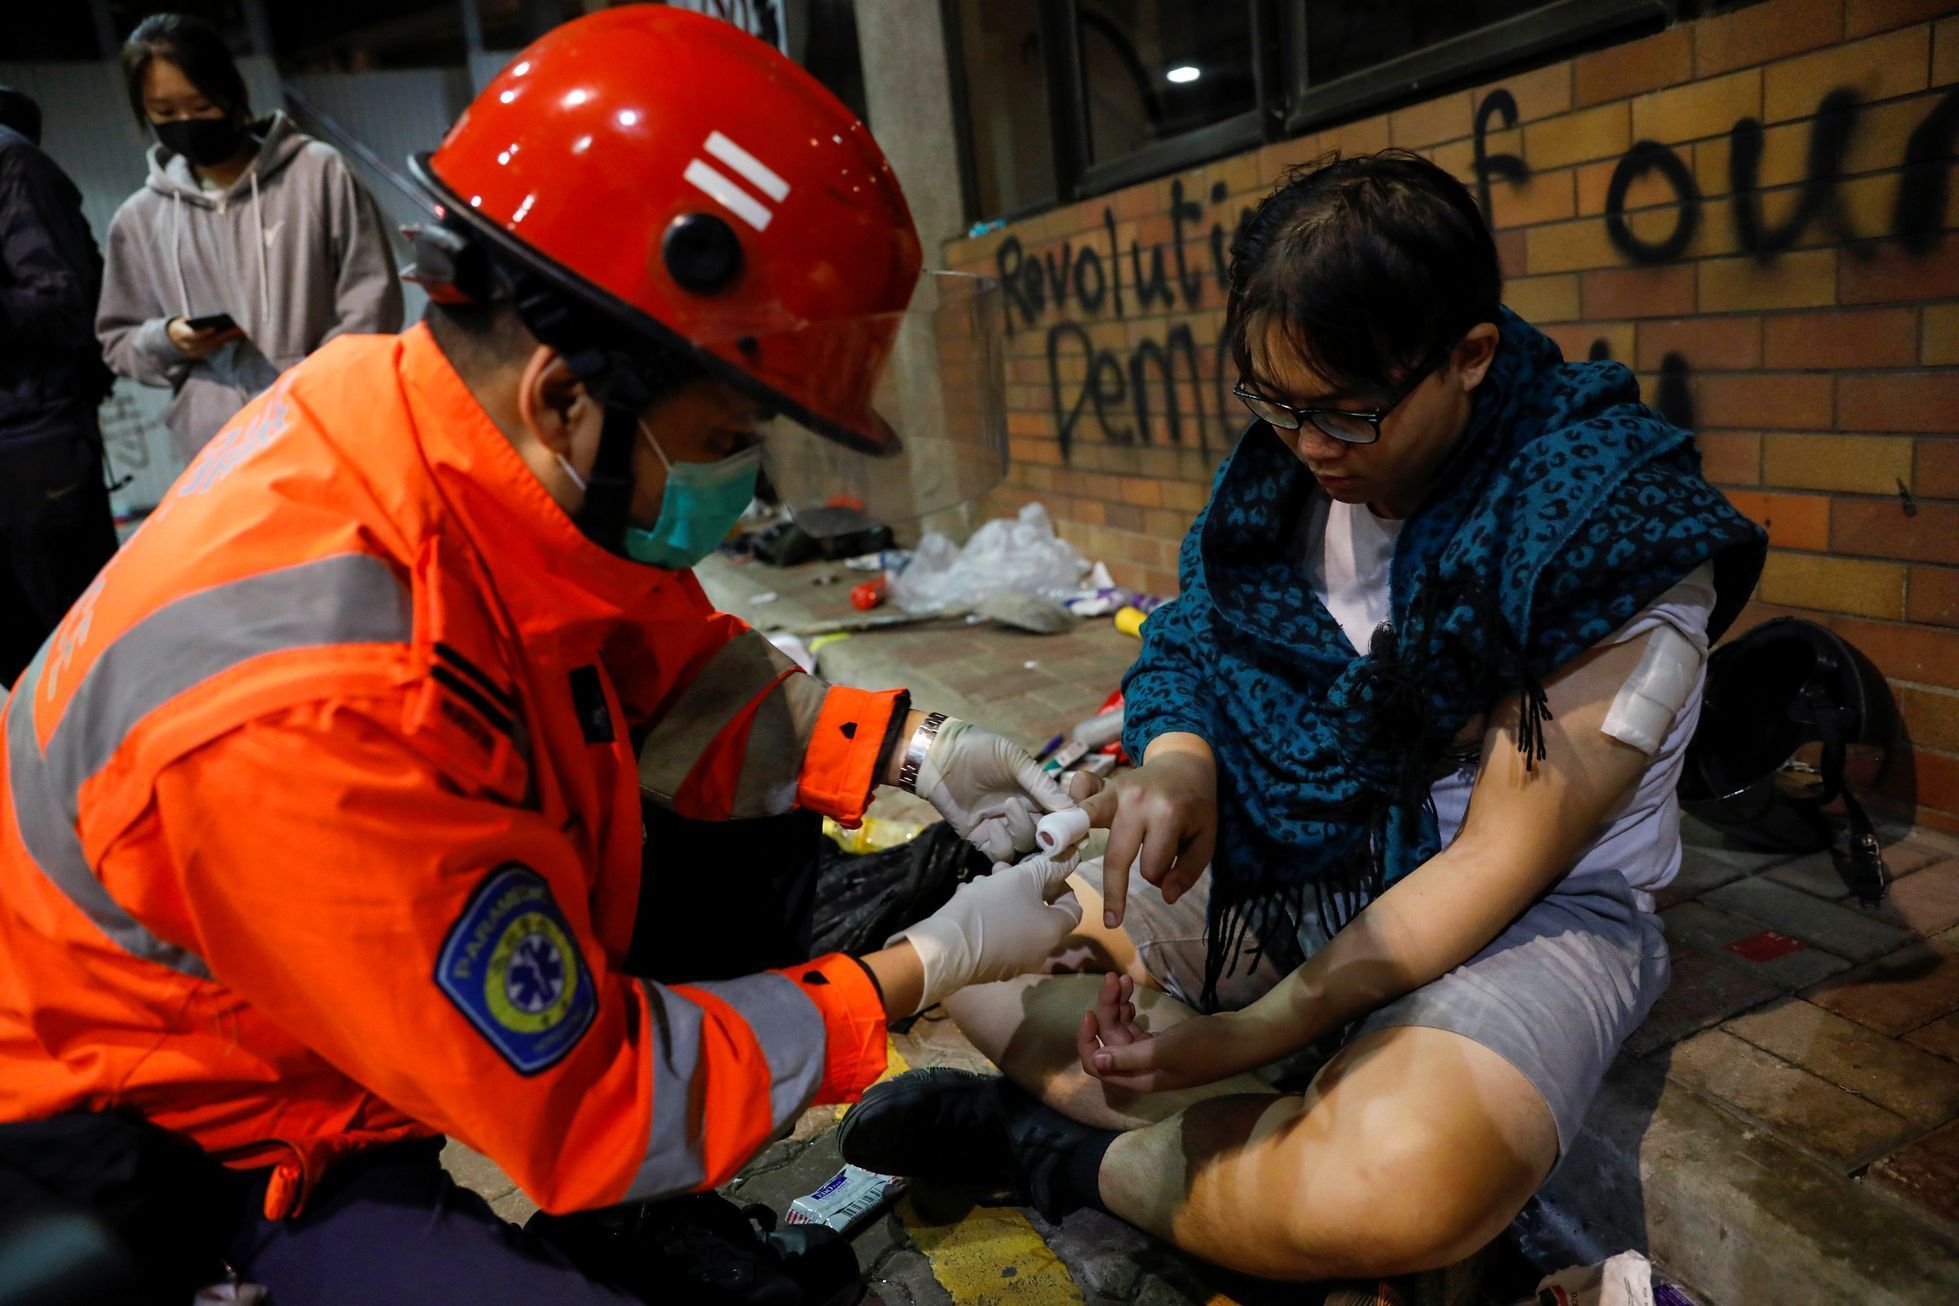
{"x":790,"y":1030}
{"x":738,"y":671}
{"x":347,"y":599}
{"x":675,"y":1161}
{"x":786,"y":1025}
{"x":772,"y":767}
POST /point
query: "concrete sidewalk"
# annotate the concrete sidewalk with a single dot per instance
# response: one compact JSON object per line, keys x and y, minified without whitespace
{"x":1785,"y":1126}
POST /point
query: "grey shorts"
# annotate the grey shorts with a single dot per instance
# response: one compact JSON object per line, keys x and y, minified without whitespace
{"x":1555,"y":994}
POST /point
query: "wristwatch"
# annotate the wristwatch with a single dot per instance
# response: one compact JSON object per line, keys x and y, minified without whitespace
{"x":915,"y":751}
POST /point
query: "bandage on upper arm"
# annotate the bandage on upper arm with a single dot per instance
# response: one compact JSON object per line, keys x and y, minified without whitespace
{"x":1643,"y":709}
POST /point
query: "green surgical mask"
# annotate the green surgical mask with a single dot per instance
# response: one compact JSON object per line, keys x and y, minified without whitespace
{"x":701,"y":504}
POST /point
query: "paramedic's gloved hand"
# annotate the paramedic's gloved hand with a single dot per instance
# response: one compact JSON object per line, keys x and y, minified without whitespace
{"x":1161,"y":817}
{"x":996,"y":927}
{"x":988,"y":787}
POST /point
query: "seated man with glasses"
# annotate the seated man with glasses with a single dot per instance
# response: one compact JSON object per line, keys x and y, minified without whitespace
{"x":1410,"y":735}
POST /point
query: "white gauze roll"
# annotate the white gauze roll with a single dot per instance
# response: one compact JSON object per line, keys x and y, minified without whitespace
{"x":1058,"y":831}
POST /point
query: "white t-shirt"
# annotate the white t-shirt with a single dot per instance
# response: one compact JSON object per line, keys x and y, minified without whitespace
{"x":1346,"y":553}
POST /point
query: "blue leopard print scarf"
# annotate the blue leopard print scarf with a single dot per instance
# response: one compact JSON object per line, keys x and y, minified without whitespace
{"x":1567,"y":509}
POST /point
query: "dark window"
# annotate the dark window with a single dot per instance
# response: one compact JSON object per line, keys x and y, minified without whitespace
{"x":1000,"y":48}
{"x":1063,"y":99}
{"x":64,"y":31}
{"x":352,"y":36}
{"x":1154,"y":70}
{"x":514,"y":24}
{"x":1349,"y":38}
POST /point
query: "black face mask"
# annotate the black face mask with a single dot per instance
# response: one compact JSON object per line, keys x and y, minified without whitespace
{"x":204,"y":141}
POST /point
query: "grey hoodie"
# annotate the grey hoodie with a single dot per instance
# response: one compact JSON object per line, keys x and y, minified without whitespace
{"x":295,"y":251}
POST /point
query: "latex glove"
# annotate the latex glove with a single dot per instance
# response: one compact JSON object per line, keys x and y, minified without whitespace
{"x":988,"y":788}
{"x":994,"y":928}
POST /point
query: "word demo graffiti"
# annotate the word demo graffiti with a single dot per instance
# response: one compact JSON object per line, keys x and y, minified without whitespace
{"x":1090,"y":275}
{"x":1131,"y":392}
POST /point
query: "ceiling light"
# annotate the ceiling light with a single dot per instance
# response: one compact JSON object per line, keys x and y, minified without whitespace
{"x":1184,"y":72}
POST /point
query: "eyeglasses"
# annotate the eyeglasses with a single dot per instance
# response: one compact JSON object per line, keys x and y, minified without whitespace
{"x":1346,"y":425}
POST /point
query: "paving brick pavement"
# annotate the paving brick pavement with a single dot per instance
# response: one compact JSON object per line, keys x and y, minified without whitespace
{"x":1785,"y":1125}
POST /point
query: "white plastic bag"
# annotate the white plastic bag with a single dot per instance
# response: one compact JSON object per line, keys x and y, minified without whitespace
{"x":1020,"y":555}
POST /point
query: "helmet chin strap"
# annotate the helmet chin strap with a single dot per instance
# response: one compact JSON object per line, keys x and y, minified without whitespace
{"x":625,"y":387}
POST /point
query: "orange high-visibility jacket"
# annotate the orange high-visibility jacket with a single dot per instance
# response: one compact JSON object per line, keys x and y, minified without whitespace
{"x":320,"y":825}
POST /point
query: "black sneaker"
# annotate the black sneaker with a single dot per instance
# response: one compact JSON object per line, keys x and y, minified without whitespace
{"x":706,"y":1249}
{"x":941,"y":1125}
{"x":956,"y":1127}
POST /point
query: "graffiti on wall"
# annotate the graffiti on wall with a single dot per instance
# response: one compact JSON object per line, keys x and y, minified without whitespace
{"x":1129,"y":394}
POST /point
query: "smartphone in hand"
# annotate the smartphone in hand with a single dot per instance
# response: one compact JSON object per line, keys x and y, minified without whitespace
{"x":210,"y":322}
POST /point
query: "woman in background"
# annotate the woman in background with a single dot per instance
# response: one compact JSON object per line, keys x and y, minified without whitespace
{"x":249,"y":246}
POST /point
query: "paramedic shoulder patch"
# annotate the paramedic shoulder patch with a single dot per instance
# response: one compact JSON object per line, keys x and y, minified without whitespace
{"x":511,"y":965}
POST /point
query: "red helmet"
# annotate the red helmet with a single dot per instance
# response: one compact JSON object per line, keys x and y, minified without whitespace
{"x":697,"y":184}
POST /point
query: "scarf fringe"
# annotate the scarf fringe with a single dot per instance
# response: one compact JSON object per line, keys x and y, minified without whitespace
{"x":1401,"y":704}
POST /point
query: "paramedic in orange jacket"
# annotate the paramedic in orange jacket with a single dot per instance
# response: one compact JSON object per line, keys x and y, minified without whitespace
{"x":320,"y":813}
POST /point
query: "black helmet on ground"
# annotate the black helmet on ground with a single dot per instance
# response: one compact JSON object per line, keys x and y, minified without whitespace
{"x":1785,"y":685}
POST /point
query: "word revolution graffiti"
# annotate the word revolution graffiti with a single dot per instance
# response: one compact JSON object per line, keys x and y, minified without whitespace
{"x":1120,"y":388}
{"x":1091,"y":276}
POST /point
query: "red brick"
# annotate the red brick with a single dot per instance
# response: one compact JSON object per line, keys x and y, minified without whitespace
{"x":1926,"y":1172}
{"x":1540,"y":93}
{"x":1862,"y":17}
{"x":1577,"y":339}
{"x":1571,"y":247}
{"x":1593,"y":180}
{"x":1931,"y":784}
{"x":1802,"y":279}
{"x":1730,"y":457}
{"x":1368,"y":136}
{"x":1925,"y":654}
{"x":1604,"y":132}
{"x":1445,"y":118}
{"x":1884,"y":273}
{"x":1639,"y":292}
{"x":1939,"y":337}
{"x":1759,"y":33}
{"x":1877,"y":337}
{"x":1932,"y":721}
{"x":1860,"y":464}
{"x":1512,"y":252}
{"x":1935,"y":472}
{"x":1827,"y":584}
{"x":1544,"y":299}
{"x":1877,"y":68}
{"x":1788,"y":401}
{"x":1709,"y":344}
{"x":1879,"y":528}
{"x":1794,"y":521}
{"x":1900,"y":401}
{"x":1932,"y":596}
{"x":1665,"y":59}
{"x":1545,"y":197}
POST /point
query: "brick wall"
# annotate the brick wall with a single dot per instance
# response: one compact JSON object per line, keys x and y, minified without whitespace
{"x":1754,"y":211}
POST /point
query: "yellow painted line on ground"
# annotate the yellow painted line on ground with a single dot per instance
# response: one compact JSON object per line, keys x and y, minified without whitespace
{"x":991,"y":1256}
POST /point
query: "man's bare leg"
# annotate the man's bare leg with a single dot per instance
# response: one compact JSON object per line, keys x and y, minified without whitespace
{"x":1411,"y":1149}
